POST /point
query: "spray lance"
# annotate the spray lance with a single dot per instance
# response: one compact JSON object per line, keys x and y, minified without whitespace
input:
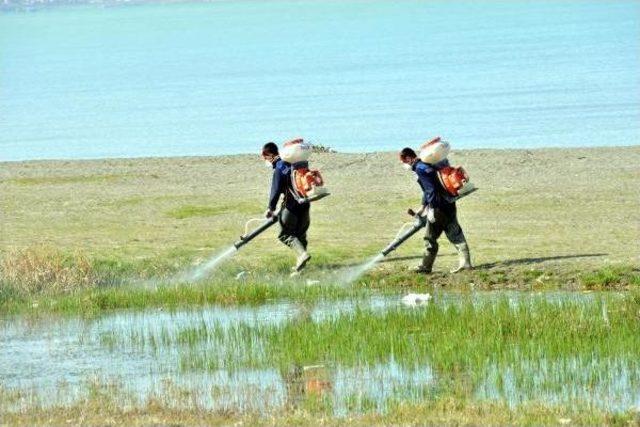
{"x":405,"y":233}
{"x":203,"y":270}
{"x":420,"y":221}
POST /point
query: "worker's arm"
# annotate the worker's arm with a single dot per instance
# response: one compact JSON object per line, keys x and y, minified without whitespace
{"x":276,"y":190}
{"x":427,"y":177}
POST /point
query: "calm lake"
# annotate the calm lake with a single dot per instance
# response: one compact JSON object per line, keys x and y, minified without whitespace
{"x":226,"y":76}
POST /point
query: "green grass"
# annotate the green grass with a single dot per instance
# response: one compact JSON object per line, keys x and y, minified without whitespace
{"x":91,"y":302}
{"x":189,"y":211}
{"x":452,"y":337}
{"x":611,"y":277}
{"x":43,"y":279}
{"x":464,"y":338}
{"x":89,"y":237}
{"x":443,"y":410}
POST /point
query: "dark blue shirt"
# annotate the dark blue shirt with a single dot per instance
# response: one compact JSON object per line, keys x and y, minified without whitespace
{"x":432,"y":194}
{"x":282,"y":184}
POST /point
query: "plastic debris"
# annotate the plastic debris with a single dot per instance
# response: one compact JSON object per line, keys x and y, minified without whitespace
{"x":415,"y":300}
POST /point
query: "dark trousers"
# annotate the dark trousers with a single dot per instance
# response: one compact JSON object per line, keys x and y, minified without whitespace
{"x":447,"y":221}
{"x":294,"y":224}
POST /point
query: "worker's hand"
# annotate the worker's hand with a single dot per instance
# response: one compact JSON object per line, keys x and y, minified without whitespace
{"x":411,"y":212}
{"x":431,"y":215}
{"x":268,"y":213}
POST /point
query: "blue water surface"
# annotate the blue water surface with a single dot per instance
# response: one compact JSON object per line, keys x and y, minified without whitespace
{"x":225,"y":77}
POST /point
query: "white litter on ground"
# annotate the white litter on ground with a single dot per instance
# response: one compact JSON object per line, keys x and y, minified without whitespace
{"x":415,"y":300}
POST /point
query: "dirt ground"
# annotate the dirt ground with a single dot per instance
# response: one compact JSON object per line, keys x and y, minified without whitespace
{"x":573,"y":207}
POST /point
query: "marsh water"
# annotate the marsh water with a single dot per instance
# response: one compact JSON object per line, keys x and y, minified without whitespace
{"x":222,"y":77}
{"x":135,"y":354}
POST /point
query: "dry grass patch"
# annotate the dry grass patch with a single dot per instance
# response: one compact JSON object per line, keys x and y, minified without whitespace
{"x":44,"y":269}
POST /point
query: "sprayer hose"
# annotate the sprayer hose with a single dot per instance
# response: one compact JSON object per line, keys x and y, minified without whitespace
{"x":246,"y":225}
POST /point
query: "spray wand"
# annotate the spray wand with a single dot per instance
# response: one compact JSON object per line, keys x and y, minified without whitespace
{"x":403,"y":235}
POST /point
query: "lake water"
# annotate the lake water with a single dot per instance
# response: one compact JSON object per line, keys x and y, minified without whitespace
{"x":226,"y":76}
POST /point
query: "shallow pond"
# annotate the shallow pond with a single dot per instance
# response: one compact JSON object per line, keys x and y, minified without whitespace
{"x":147,"y":354}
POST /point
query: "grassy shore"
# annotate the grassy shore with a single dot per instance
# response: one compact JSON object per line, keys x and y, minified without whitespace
{"x":225,"y":289}
{"x":541,"y":219}
{"x":443,"y":411}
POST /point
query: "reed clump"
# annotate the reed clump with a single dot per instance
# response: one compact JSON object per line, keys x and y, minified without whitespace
{"x":465,"y":335}
{"x":42,"y":269}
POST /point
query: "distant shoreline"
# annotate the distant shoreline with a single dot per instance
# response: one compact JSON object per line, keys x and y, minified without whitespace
{"x":36,"y":5}
{"x":236,"y":155}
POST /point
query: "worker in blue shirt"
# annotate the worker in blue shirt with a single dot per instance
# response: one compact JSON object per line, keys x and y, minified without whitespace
{"x":440,"y":211}
{"x":294,"y":216}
